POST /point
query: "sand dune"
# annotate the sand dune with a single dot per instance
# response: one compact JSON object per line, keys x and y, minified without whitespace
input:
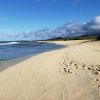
{"x":71,"y":73}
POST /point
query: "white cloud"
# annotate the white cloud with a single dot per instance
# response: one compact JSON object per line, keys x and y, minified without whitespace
{"x":68,"y":29}
{"x":97,"y":19}
{"x":4,"y":36}
{"x":92,"y":25}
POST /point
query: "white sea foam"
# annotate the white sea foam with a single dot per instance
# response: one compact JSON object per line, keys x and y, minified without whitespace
{"x":9,"y":43}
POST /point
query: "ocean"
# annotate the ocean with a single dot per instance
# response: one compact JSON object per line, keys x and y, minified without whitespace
{"x":12,"y":53}
{"x":13,"y":50}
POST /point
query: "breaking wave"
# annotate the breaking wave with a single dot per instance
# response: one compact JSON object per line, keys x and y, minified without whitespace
{"x":9,"y":43}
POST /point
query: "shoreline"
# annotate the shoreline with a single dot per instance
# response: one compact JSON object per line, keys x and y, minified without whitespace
{"x":55,"y":75}
{"x":4,"y":64}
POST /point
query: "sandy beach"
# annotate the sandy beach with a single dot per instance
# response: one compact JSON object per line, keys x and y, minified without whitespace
{"x":69,"y":73}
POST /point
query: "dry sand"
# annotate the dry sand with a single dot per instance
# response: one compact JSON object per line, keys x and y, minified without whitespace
{"x":71,"y":73}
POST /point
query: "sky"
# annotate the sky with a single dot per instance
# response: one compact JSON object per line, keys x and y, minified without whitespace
{"x":17,"y":16}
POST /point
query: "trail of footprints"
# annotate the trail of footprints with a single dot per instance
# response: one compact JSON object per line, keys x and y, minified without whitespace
{"x":70,"y":65}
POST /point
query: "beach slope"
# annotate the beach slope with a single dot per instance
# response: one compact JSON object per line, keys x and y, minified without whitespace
{"x":70,"y":73}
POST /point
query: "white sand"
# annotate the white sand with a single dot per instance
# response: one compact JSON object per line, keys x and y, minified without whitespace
{"x":71,"y":73}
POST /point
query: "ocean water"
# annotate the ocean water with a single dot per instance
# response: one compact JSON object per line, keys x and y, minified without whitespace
{"x":13,"y":50}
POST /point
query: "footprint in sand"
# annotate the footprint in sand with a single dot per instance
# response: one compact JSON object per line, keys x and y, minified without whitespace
{"x":83,"y":65}
{"x":67,"y":71}
{"x":96,"y":80}
{"x":95,"y":72}
{"x":99,"y":86}
{"x":89,"y":68}
{"x":70,"y":63}
{"x":98,"y":69}
{"x":66,"y":65}
{"x":64,"y":62}
{"x":76,"y":66}
{"x":98,"y":65}
{"x":92,"y":65}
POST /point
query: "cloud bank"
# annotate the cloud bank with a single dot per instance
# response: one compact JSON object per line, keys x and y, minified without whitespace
{"x":93,"y":25}
{"x":68,"y":29}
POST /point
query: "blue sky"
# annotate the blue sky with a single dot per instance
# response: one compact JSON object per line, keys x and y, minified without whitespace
{"x":27,"y":15}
